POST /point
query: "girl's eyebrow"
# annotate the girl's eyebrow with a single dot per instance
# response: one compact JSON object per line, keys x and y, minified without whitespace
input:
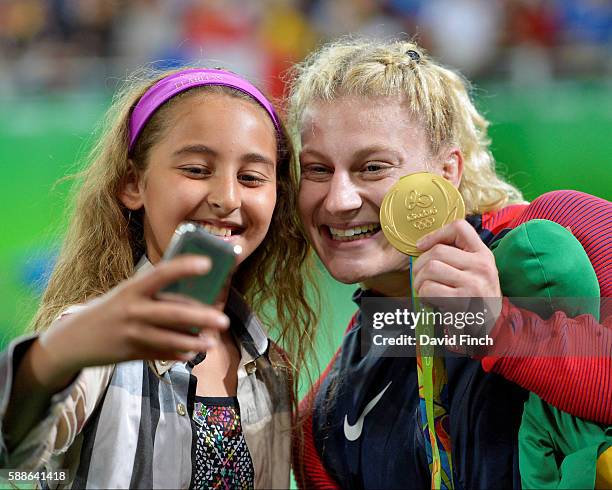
{"x":252,"y":157}
{"x":256,"y":158}
{"x":202,"y":149}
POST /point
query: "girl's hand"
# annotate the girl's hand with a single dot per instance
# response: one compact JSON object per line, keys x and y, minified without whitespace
{"x":129,"y":323}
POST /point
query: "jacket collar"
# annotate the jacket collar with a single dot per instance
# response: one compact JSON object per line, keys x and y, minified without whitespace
{"x":360,"y":293}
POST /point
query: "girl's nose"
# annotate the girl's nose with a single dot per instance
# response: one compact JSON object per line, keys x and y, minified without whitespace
{"x":224,"y":195}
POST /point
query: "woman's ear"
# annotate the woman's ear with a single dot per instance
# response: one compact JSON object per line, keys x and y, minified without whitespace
{"x":452,"y":165}
{"x":131,"y":191}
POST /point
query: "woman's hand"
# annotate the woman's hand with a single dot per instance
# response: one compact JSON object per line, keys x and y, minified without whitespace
{"x":129,"y":323}
{"x":457,"y":264}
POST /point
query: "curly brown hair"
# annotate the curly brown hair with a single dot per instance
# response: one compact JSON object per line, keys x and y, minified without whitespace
{"x":104,"y":240}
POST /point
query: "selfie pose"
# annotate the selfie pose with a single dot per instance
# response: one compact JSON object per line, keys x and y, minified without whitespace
{"x":112,"y":386}
{"x":364,"y":114}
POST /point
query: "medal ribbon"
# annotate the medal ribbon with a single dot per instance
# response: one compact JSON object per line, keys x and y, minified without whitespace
{"x":433,"y":389}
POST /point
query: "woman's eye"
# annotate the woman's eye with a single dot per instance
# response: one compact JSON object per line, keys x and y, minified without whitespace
{"x":315,"y":170}
{"x":374,"y":167}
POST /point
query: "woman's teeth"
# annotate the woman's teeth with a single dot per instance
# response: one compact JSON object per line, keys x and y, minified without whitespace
{"x":355,"y":233}
{"x":215,"y":230}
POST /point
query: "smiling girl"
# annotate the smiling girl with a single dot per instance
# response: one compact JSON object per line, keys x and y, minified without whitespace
{"x":108,"y":392}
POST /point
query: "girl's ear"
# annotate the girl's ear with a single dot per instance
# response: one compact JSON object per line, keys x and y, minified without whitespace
{"x":131,"y":191}
{"x":452,"y":165}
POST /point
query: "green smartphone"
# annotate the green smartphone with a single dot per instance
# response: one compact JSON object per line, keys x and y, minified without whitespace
{"x":191,"y":238}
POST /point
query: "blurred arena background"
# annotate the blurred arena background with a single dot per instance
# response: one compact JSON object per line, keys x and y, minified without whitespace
{"x":542,"y":72}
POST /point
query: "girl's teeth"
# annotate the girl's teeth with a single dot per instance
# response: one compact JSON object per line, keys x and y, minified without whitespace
{"x":221,"y":232}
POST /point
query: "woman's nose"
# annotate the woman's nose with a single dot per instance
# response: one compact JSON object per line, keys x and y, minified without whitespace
{"x":343,"y":195}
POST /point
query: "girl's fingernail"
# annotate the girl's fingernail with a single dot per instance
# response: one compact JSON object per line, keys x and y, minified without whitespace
{"x":202,"y":265}
{"x":208,"y":343}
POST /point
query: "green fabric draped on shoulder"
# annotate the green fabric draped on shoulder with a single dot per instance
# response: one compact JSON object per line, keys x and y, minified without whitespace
{"x":544,"y":268}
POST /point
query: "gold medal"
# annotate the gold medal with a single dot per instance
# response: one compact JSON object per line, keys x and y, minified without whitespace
{"x":417,"y":205}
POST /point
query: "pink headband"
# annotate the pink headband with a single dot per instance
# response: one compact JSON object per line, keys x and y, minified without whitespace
{"x":178,"y":82}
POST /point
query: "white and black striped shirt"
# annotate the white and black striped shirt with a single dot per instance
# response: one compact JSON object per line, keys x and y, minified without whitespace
{"x":128,"y":425}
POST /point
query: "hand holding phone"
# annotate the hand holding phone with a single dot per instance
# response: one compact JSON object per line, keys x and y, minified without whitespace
{"x":190,"y":238}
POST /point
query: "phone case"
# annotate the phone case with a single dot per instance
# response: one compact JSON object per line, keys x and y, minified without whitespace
{"x":190,"y":238}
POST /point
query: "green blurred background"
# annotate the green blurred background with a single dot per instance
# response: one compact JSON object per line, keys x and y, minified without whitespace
{"x":556,"y":137}
{"x":542,"y":72}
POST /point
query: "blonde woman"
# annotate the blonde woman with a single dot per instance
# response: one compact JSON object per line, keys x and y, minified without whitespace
{"x":107,"y":388}
{"x":362,"y":115}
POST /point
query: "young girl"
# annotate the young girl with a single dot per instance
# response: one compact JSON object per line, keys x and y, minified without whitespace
{"x":196,"y":145}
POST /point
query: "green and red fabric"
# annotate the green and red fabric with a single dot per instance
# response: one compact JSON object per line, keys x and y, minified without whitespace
{"x":541,"y":259}
{"x":572,"y":383}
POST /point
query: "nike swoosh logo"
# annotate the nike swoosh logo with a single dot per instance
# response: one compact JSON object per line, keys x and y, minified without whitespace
{"x":352,"y":432}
